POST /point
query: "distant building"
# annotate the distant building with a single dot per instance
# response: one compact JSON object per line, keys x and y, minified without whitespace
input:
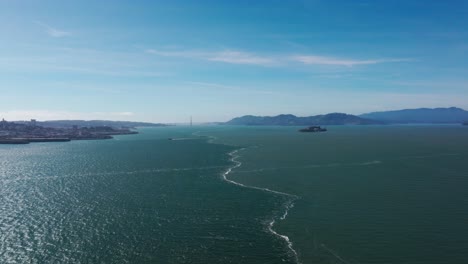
{"x":33,"y":122}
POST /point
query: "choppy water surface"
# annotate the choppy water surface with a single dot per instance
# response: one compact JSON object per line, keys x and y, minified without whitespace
{"x":239,"y":195}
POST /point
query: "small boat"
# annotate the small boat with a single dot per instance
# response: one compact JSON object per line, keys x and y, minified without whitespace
{"x":313,"y":129}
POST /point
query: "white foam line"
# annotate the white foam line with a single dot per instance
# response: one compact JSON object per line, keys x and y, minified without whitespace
{"x":236,"y":165}
{"x":288,"y":205}
{"x":211,"y":139}
{"x":177,"y":139}
{"x":285,"y":238}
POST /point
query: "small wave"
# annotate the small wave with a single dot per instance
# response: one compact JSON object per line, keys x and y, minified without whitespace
{"x":371,"y":163}
{"x":178,"y":139}
{"x":429,"y":156}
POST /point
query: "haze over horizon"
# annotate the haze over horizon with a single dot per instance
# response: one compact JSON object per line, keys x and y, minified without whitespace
{"x":163,"y":62}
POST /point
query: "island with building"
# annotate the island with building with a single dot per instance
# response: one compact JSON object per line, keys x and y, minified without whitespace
{"x":28,"y":132}
{"x":313,"y":129}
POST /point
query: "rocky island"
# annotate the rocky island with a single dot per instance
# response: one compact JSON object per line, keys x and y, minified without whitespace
{"x":24,"y":133}
{"x":313,"y":129}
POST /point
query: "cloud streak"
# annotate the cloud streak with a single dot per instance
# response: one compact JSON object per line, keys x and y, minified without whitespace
{"x":249,"y":58}
{"x":226,"y":56}
{"x":238,"y":57}
{"x":53,"y":32}
{"x":331,"y":61}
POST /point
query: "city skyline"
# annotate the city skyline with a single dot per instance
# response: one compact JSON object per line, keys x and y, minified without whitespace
{"x":215,"y":60}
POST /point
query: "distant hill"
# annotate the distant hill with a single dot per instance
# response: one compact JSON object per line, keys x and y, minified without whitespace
{"x":292,"y":120}
{"x":91,"y":123}
{"x":421,"y":115}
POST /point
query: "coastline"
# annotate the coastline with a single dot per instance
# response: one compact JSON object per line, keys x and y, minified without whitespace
{"x":25,"y":133}
{"x":27,"y":140}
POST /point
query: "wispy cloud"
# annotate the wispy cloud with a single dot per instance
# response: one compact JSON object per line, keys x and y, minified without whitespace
{"x":322,"y":60}
{"x":84,"y":61}
{"x":238,"y":57}
{"x":53,"y":32}
{"x":249,"y":58}
{"x":226,"y":56}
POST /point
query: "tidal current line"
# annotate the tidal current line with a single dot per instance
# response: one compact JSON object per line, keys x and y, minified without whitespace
{"x":288,"y":205}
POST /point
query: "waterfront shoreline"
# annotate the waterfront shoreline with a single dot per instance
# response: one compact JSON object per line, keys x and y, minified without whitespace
{"x":14,"y":133}
{"x":24,"y":141}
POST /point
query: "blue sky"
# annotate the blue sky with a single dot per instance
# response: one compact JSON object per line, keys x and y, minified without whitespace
{"x":164,"y":61}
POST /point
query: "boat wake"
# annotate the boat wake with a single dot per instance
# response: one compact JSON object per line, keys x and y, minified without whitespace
{"x":288,"y":205}
{"x":210,"y":139}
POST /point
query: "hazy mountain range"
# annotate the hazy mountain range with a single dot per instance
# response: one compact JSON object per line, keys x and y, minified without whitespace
{"x":406,"y":116}
{"x":292,"y":120}
{"x":421,"y":115}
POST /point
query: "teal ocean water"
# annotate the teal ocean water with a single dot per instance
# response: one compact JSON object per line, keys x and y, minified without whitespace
{"x":393,"y":194}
